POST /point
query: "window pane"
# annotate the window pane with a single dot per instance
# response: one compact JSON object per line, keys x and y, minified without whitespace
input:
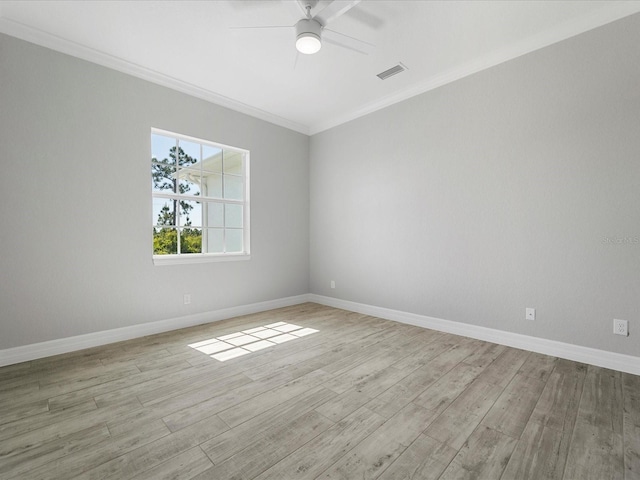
{"x":233,"y":162}
{"x":165,"y":241}
{"x":233,"y":215}
{"x":189,"y":181}
{"x":191,"y":240}
{"x":212,"y":159}
{"x":163,"y":211}
{"x":189,"y":153}
{"x":215,"y":240}
{"x":233,"y":240}
{"x":233,"y":188}
{"x":215,"y":214}
{"x":161,"y":147}
{"x":163,"y":177}
{"x":212,"y":184}
{"x":190,"y":213}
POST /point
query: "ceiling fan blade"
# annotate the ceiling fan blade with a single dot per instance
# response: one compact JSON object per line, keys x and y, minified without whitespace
{"x":296,"y":10}
{"x":342,"y":40}
{"x":334,"y":10}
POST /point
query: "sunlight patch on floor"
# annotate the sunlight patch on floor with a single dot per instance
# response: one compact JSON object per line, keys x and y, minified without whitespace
{"x":241,"y":343}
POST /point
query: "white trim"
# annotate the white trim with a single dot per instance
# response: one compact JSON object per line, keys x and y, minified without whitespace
{"x":188,"y":258}
{"x":543,"y":39}
{"x":25,"y":353}
{"x":44,"y":39}
{"x":592,"y":356}
{"x":561,"y":32}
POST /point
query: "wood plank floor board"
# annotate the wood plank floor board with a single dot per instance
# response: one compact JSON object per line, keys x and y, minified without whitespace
{"x":230,"y":442}
{"x":484,"y":455}
{"x":447,"y":388}
{"x":325,"y":353}
{"x":18,"y":410}
{"x":200,"y":410}
{"x":51,"y":387}
{"x":146,"y":355}
{"x":425,"y":459}
{"x":22,"y":462}
{"x":601,"y":403}
{"x":267,"y":451}
{"x":406,"y":390}
{"x":558,"y":405}
{"x":65,"y":400}
{"x":166,"y":385}
{"x":371,"y":457}
{"x":543,"y":447}
{"x":184,"y":466}
{"x":344,"y":404}
{"x":512,"y":410}
{"x":220,"y":378}
{"x":361,"y":398}
{"x":25,"y":390}
{"x":597,"y":448}
{"x":363,"y":373}
{"x":34,"y":422}
{"x":152,"y":454}
{"x":596,"y":453}
{"x":538,"y":366}
{"x":425,"y":354}
{"x":34,"y":438}
{"x":380,"y":381}
{"x":631,"y":426}
{"x":17,"y":381}
{"x":485,"y":354}
{"x":175,"y":401}
{"x":505,"y":366}
{"x":465,"y":413}
{"x":319,"y":454}
{"x":541,"y":453}
{"x":78,"y":462}
{"x":243,"y":411}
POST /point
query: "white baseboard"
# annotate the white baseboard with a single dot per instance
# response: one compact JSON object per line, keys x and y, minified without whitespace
{"x":592,"y":356}
{"x":25,"y":353}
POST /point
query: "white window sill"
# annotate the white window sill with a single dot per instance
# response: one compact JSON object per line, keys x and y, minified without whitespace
{"x":159,"y":260}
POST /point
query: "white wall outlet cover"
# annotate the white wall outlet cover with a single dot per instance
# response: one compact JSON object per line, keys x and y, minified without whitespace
{"x":621,"y":327}
{"x":333,"y":284}
{"x":530,"y":313}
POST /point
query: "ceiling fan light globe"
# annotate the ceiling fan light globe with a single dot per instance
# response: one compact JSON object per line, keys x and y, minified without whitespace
{"x":308,"y":43}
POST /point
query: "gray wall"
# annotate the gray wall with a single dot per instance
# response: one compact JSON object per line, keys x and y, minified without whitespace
{"x":495,"y":193}
{"x":75,"y":201}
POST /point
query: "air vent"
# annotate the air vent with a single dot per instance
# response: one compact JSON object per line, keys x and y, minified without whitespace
{"x":392,"y":71}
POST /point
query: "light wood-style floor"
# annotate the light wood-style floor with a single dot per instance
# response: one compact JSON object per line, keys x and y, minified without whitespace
{"x":360,"y":398}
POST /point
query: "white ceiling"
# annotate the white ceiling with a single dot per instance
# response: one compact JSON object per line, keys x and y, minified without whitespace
{"x":189,"y":46}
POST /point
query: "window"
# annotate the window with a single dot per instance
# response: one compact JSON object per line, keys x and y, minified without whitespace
{"x":200,"y":196}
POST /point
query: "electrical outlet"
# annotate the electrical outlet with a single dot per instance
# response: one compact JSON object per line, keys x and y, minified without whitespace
{"x":333,"y":284}
{"x":187,"y":298}
{"x":530,"y":313}
{"x":621,"y":327}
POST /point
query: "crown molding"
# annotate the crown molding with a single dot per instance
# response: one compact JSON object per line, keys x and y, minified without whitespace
{"x":557,"y":34}
{"x":53,"y":42}
{"x":566,"y":30}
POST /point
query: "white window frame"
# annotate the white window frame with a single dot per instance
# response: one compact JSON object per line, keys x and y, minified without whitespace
{"x":186,"y":258}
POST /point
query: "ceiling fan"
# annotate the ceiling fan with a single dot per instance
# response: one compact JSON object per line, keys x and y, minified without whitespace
{"x":311,"y":30}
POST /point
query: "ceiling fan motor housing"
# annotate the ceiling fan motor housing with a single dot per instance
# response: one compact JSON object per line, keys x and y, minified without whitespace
{"x":308,"y":35}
